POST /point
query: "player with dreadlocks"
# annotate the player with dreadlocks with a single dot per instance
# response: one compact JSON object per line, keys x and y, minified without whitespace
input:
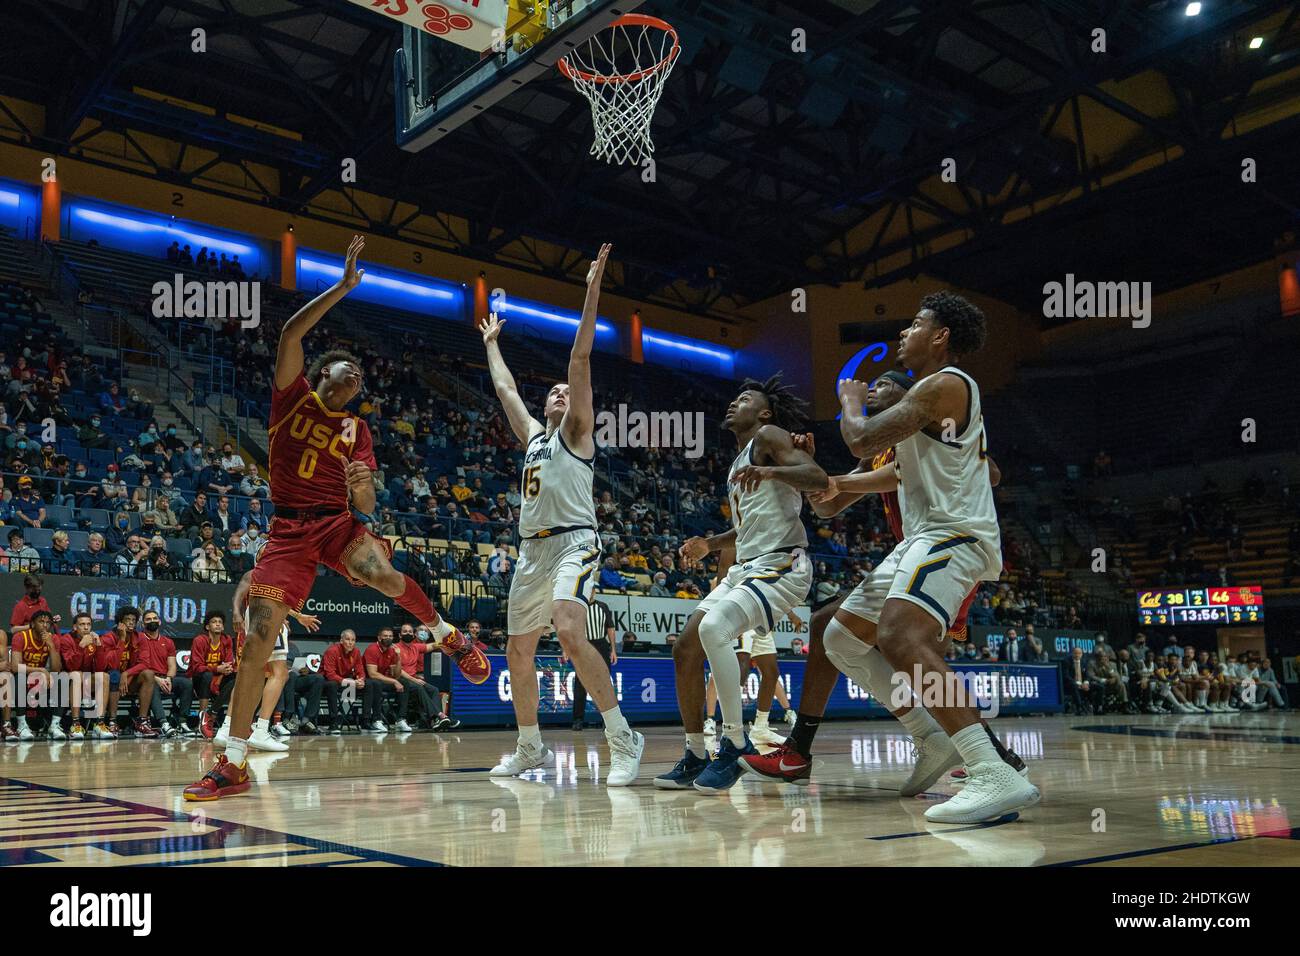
{"x":772,"y":574}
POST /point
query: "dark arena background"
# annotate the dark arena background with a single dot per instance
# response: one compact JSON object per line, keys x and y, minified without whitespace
{"x":1113,"y":184}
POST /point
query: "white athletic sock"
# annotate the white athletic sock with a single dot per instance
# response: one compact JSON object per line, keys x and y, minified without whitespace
{"x":261,"y":725}
{"x":919,"y":723}
{"x":975,"y":746}
{"x":696,"y":745}
{"x":734,"y":732}
{"x":530,"y":738}
{"x":236,"y":750}
{"x":615,"y":722}
{"x":760,"y":721}
{"x":441,"y":629}
{"x":22,"y":723}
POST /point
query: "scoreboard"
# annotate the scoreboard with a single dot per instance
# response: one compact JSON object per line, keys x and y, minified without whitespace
{"x":1216,"y":605}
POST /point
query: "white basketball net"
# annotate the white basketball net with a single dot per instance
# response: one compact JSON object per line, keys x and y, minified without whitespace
{"x":621,"y":71}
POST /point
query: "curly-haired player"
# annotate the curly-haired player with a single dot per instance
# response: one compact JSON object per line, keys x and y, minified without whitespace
{"x":321,"y":459}
{"x":897,"y":618}
{"x":771,"y":574}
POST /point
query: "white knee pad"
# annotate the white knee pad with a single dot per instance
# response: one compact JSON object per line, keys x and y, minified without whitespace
{"x":720,"y":628}
{"x":861,"y":662}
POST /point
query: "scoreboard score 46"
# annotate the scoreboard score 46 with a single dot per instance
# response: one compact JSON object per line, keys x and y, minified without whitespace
{"x":1219,"y":605}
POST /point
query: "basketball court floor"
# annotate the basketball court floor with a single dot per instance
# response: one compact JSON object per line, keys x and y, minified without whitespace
{"x":1118,"y":791}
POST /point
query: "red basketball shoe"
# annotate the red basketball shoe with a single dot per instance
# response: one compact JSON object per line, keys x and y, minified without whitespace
{"x":469,"y":657}
{"x":207,"y":725}
{"x":784,"y":763}
{"x":223,"y":780}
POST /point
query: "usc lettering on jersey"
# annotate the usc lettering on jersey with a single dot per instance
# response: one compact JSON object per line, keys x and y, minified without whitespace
{"x":311,"y":447}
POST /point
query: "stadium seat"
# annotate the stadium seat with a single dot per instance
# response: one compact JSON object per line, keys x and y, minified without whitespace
{"x":461,"y":607}
{"x":485,"y":608}
{"x":38,"y":537}
{"x":60,"y":516}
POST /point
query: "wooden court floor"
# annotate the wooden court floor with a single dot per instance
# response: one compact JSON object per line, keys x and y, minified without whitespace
{"x":1118,"y":791}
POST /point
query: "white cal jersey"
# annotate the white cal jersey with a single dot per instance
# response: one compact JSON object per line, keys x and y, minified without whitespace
{"x":555,"y":489}
{"x":944,"y":486}
{"x":767,"y":518}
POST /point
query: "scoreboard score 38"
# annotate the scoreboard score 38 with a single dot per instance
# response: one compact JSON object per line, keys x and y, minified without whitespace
{"x":1215,"y":605}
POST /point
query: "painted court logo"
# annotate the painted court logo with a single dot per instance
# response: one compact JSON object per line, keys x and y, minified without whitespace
{"x":180,"y":299}
{"x":75,"y":909}
{"x":1098,"y":300}
{"x":633,"y":429}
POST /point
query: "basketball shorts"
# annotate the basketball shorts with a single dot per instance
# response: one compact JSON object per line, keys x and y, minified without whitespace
{"x":765,"y":588}
{"x":562,"y":567}
{"x":286,"y":567}
{"x":757,"y":645}
{"x":935,"y":570}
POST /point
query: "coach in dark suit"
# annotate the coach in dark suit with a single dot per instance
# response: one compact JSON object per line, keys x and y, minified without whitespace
{"x":601,"y":634}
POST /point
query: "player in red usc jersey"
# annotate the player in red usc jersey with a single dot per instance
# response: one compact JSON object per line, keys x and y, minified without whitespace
{"x":212,"y":668}
{"x":321,"y":459}
{"x":34,"y":655}
{"x":792,"y":761}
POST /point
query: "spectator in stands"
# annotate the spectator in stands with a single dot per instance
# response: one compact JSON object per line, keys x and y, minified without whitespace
{"x":208,"y":566}
{"x":1013,"y":647}
{"x":982,"y":612}
{"x":254,"y":541}
{"x":1137,"y":651}
{"x":133,"y":561}
{"x":231,"y":460}
{"x":659,"y":587}
{"x":253,"y":485}
{"x":28,"y":508}
{"x":194,"y":515}
{"x":113,"y":489}
{"x":1071,"y":619}
{"x":254,"y":517}
{"x":143,"y":497}
{"x":688,"y":589}
{"x":162,"y":517}
{"x":345,"y":676}
{"x":224,"y":520}
{"x":382,"y":667}
{"x":162,"y":566}
{"x":61,"y":559}
{"x":611,"y":579}
{"x":110,"y":401}
{"x":237,"y":561}
{"x":797,"y":647}
{"x":19,"y":556}
{"x":1035,"y":652}
{"x":95,"y":560}
{"x":214,"y":479}
{"x":194,"y":459}
{"x":118,"y":531}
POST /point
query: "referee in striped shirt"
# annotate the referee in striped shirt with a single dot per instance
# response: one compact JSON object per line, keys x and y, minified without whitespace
{"x":600,"y":631}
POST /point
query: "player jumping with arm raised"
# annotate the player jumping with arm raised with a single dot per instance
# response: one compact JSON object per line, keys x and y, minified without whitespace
{"x":321,"y":459}
{"x":559,"y":552}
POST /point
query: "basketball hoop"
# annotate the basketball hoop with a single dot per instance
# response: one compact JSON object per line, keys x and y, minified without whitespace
{"x":621,"y":71}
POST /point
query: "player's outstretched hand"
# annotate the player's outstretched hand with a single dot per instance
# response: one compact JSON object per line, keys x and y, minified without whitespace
{"x":805,"y":443}
{"x":826,"y":494}
{"x":351,"y":274}
{"x":309,"y":621}
{"x":751,"y":476}
{"x":694,"y":549}
{"x":358,"y":473}
{"x":491,"y":328}
{"x":598,"y":265}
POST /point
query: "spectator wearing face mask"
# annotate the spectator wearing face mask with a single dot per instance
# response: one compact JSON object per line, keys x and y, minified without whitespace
{"x":254,"y":541}
{"x":237,"y":560}
{"x":118,"y":531}
{"x":91,"y":435}
{"x":28,"y":508}
{"x":383,"y":664}
{"x":411,"y":651}
{"x":195,"y":460}
{"x":171,"y":441}
{"x":231,"y":460}
{"x":659,"y":587}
